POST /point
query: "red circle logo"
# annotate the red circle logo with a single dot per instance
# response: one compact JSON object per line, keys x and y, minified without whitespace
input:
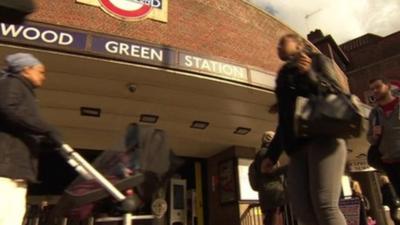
{"x":126,"y":9}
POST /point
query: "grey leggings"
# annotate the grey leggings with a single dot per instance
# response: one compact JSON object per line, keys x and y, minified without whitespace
{"x":314,"y":182}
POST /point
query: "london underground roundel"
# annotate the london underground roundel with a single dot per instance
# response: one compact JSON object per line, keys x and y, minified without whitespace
{"x":126,"y":9}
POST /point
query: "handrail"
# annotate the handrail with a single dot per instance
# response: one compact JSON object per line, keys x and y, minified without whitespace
{"x":252,"y":215}
{"x":247,"y":211}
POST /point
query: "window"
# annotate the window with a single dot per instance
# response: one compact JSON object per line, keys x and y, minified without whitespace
{"x":246,"y":192}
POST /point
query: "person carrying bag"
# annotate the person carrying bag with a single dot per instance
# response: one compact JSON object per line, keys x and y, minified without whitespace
{"x":329,"y":112}
{"x":317,"y":157}
{"x":270,"y":187}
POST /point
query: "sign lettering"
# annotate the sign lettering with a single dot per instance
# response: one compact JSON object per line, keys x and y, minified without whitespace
{"x":87,"y":43}
{"x":206,"y":65}
{"x":37,"y":34}
{"x":127,"y":50}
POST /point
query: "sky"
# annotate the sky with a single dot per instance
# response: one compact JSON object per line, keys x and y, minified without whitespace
{"x":343,"y":19}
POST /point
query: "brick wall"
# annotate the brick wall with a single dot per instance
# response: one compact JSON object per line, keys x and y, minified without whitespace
{"x":230,"y":29}
{"x":358,"y":79}
{"x":379,"y":57}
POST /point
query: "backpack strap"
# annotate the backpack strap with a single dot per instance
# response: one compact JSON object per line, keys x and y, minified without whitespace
{"x":377,"y":121}
{"x":324,"y":79}
{"x":398,"y":108}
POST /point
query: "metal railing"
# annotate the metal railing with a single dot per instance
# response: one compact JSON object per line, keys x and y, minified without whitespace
{"x":252,"y":215}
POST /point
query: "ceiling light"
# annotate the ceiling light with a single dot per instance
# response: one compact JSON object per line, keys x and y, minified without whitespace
{"x":146,"y":118}
{"x":199,"y":125}
{"x":93,"y":112}
{"x":242,"y":130}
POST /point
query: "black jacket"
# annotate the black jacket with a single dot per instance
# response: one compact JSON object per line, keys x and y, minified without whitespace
{"x":290,"y":84}
{"x":21,"y":129}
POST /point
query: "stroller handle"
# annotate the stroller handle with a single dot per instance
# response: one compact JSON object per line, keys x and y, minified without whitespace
{"x":88,"y":171}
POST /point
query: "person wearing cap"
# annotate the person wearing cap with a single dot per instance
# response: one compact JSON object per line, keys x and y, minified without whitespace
{"x":270,"y":187}
{"x":23,"y":133}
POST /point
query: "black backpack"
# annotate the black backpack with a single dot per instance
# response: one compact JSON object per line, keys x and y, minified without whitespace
{"x":255,"y":170}
{"x":271,"y":187}
{"x":254,"y":182}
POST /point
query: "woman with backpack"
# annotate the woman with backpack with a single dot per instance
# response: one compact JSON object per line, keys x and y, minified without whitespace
{"x":270,"y":187}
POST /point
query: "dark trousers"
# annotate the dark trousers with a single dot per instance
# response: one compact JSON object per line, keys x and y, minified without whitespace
{"x":273,"y":216}
{"x":363,"y":213}
{"x":393,"y":172}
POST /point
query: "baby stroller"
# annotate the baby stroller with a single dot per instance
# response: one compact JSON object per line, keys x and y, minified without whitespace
{"x":141,"y":172}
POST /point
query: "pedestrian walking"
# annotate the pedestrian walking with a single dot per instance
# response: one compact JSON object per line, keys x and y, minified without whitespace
{"x":384,"y":129}
{"x":23,"y":133}
{"x":270,"y":187}
{"x":316,"y":163}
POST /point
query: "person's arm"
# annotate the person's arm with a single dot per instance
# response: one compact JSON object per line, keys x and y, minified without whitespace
{"x":356,"y":187}
{"x":272,"y":155}
{"x":281,"y":170}
{"x":389,"y":196}
{"x":16,"y":115}
{"x":275,"y":148}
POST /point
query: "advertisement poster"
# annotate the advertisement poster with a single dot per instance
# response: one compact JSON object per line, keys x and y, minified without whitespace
{"x":227,"y":181}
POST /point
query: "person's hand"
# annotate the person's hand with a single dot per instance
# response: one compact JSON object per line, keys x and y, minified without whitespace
{"x":267,"y":166}
{"x":377,"y":132}
{"x":52,"y":140}
{"x":384,"y":180}
{"x":304,"y":63}
{"x":127,"y":172}
{"x":357,"y":189}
